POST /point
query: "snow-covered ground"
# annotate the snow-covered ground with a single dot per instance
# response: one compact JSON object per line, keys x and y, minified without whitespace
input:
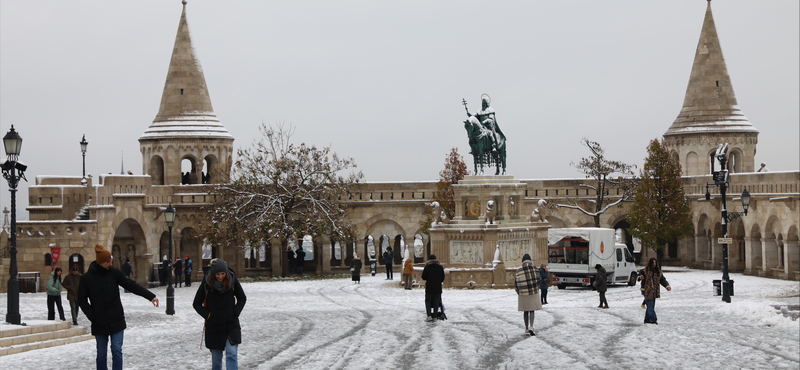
{"x":334,"y":324}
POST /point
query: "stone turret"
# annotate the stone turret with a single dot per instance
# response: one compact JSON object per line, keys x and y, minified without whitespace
{"x":710,"y":115}
{"x":185,"y":127}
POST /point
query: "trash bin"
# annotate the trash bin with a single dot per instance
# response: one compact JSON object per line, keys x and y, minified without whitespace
{"x":729,"y":286}
{"x":717,"y":287}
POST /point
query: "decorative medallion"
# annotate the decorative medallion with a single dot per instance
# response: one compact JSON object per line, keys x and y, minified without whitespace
{"x":475,"y":208}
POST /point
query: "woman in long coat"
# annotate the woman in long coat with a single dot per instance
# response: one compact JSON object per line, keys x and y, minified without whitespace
{"x":526,"y":283}
{"x":219,"y":300}
{"x":355,"y":269}
{"x":652,"y":280}
{"x":601,"y":284}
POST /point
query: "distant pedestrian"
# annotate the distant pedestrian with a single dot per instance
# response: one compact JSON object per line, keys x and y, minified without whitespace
{"x":526,"y":283}
{"x":299,"y":260}
{"x":126,"y":270}
{"x":220,"y":300}
{"x":544,"y":282}
{"x":54,"y":295}
{"x":98,"y":296}
{"x":178,"y":272}
{"x":187,"y":270}
{"x":433,"y":274}
{"x":601,"y":284}
{"x":652,"y":279}
{"x":408,"y":270}
{"x":71,"y":284}
{"x":355,"y":269}
{"x":292,"y":257}
{"x":388,"y":257}
{"x":165,"y":270}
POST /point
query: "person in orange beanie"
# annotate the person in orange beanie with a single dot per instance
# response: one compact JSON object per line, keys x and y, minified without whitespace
{"x":98,"y":297}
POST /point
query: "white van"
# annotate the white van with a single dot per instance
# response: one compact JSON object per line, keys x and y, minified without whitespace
{"x":574,"y":252}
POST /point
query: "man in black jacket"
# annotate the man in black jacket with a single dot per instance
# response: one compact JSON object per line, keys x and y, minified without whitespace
{"x":433,"y":274}
{"x":98,"y":297}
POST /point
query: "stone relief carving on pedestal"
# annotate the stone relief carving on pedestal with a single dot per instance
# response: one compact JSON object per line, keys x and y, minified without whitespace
{"x":466,"y":252}
{"x":513,"y":250}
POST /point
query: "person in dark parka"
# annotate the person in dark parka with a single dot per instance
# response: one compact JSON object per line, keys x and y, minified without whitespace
{"x":299,"y":259}
{"x":178,"y":272}
{"x":433,"y":274}
{"x":355,"y":269}
{"x":98,"y":297}
{"x":601,"y":284}
{"x":388,"y":259}
{"x":220,"y":300}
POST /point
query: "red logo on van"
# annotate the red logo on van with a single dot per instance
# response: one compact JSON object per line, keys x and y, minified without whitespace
{"x":602,"y":247}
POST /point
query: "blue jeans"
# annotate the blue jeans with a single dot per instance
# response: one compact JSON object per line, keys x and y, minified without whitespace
{"x":231,"y":357}
{"x":116,"y":350}
{"x":650,"y":314}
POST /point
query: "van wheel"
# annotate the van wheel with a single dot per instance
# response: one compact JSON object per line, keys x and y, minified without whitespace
{"x":632,"y":279}
{"x":562,"y":286}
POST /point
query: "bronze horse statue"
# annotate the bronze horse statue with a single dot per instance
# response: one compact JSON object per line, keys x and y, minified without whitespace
{"x":487,"y":143}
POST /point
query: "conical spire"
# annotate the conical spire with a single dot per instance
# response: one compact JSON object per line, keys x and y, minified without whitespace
{"x":710,"y":104}
{"x":185,"y":109}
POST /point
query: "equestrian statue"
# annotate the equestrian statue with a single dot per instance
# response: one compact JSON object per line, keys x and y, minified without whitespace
{"x":487,"y":142}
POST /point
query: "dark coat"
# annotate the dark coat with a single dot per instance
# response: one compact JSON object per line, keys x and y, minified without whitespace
{"x":388,"y":258}
{"x":221,"y":311}
{"x":544,"y":281}
{"x":126,"y":269}
{"x":300,"y":257}
{"x":601,"y":281}
{"x":71,"y":284}
{"x":355,"y":266}
{"x":433,"y":274}
{"x":187,"y":266}
{"x":98,"y":297}
{"x":178,"y":268}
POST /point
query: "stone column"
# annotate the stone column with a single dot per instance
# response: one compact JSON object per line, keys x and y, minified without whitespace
{"x":326,"y":246}
{"x":749,"y":267}
{"x":277,"y":256}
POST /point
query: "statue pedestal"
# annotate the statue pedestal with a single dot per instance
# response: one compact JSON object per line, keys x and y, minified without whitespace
{"x":466,"y":245}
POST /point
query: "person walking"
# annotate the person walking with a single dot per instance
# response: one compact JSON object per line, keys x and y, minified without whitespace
{"x":652,"y":279}
{"x":126,"y":270}
{"x":71,"y":284}
{"x":178,"y":272}
{"x":544,"y":282}
{"x":433,"y":274}
{"x":187,"y":271}
{"x":408,"y":270}
{"x":220,"y":300}
{"x":292,"y":258}
{"x":355,"y":269}
{"x":301,"y":257}
{"x":601,"y":284}
{"x":526,"y":283}
{"x":388,"y":257}
{"x":53,"y":288}
{"x":98,"y":297}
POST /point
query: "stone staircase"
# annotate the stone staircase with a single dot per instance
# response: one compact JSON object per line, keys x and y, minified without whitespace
{"x":18,"y":339}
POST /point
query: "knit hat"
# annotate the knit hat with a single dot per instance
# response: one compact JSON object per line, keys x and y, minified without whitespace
{"x":187,"y":256}
{"x":598,"y":266}
{"x":103,"y":255}
{"x":217,"y":266}
{"x":526,"y":257}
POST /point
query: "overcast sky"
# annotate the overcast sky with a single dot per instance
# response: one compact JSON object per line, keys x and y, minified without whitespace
{"x":382,"y":82}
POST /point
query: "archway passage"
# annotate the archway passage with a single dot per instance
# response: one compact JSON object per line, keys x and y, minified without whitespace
{"x":129,"y":242}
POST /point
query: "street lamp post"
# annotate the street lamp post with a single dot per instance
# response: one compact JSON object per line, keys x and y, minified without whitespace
{"x":169,"y":216}
{"x":721,"y":180}
{"x":13,"y":171}
{"x":84,"y":144}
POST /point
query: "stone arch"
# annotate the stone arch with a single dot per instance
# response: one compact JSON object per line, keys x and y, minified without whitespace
{"x":756,"y":251}
{"x":792,"y":251}
{"x":735,"y":158}
{"x":191,"y":244}
{"x":702,"y":239}
{"x":211,"y":172}
{"x":76,"y":259}
{"x":156,"y":170}
{"x":190,"y":174}
{"x":736,"y":250}
{"x":772,"y":240}
{"x":129,"y":232}
{"x":692,"y":166}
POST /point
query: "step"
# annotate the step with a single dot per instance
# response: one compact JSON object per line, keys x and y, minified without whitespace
{"x":39,"y":334}
{"x":45,"y":344}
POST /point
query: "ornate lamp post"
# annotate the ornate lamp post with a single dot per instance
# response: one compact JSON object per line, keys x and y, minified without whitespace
{"x":169,"y":216}
{"x":721,"y":180}
{"x":84,"y":144}
{"x":13,"y":171}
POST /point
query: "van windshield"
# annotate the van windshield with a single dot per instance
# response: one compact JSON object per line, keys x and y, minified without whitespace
{"x":571,"y":249}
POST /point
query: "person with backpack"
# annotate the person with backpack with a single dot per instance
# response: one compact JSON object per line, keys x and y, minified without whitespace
{"x":187,"y":270}
{"x":220,"y":300}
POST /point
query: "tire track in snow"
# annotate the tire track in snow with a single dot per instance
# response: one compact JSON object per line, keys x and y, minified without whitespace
{"x":276,"y":349}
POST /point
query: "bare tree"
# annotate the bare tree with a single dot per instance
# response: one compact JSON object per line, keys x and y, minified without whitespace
{"x":602,"y":171}
{"x":282,"y":190}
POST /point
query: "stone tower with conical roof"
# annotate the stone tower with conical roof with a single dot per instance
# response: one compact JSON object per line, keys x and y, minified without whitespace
{"x":185,"y":127}
{"x":710,"y":115}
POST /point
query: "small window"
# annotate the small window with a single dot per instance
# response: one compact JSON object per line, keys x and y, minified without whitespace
{"x":182,"y":89}
{"x":717,"y":83}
